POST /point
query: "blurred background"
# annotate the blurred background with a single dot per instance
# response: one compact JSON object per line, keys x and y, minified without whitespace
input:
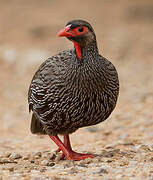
{"x":28,"y":35}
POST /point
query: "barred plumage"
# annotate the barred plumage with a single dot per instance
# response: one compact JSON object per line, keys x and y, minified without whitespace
{"x":67,"y":93}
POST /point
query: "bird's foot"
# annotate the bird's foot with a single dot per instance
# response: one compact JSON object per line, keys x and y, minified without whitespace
{"x":72,"y":155}
{"x":67,"y":150}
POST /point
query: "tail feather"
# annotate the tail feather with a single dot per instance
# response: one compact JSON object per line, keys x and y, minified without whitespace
{"x":36,"y":126}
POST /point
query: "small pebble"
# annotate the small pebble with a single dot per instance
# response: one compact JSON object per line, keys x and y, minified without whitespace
{"x":151,"y":159}
{"x":57,"y":159}
{"x":4,"y":160}
{"x":10,"y":167}
{"x":43,"y":170}
{"x":82,"y":165}
{"x":37,"y":157}
{"x":73,"y":171}
{"x":124,"y":162}
{"x":51,"y":164}
{"x":7,"y":154}
{"x":44,"y":156}
{"x":52,"y":156}
{"x":15,"y":156}
{"x":38,"y":154}
{"x":92,"y":129}
{"x":144,"y":148}
{"x":103,"y":171}
{"x":26,"y":157}
{"x":32,"y":161}
{"x":88,"y":160}
{"x":44,"y":163}
{"x":35,"y":171}
{"x":109,"y":160}
{"x":107,"y":133}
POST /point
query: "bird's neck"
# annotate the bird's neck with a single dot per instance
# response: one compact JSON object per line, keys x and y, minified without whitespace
{"x":87,"y":50}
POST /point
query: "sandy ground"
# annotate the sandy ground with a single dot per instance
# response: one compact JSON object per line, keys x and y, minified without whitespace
{"x":124,"y":143}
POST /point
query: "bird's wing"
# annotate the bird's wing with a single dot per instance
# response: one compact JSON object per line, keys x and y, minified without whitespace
{"x":43,"y":95}
{"x":111,"y":77}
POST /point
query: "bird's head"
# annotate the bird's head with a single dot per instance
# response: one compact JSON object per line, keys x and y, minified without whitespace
{"x":80,"y":32}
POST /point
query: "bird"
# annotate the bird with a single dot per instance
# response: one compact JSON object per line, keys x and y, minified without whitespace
{"x":73,"y":89}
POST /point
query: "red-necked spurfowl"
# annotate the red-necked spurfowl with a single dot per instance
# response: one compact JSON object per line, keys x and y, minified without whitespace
{"x":73,"y":89}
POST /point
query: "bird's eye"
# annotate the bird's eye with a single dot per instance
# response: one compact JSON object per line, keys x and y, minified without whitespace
{"x":81,"y":29}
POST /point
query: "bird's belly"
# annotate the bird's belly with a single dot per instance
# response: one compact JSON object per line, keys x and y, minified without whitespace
{"x":76,"y":110}
{"x":90,"y":111}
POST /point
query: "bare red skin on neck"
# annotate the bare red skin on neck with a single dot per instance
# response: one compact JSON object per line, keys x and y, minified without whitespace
{"x":78,"y":50}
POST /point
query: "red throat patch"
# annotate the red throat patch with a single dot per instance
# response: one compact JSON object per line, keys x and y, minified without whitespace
{"x":78,"y":50}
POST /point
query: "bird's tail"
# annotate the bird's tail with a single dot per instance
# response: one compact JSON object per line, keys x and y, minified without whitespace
{"x":36,"y":126}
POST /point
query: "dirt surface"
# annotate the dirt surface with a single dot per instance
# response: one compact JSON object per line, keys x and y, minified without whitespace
{"x":124,"y":143}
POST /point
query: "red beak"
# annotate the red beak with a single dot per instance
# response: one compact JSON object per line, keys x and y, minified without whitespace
{"x":65,"y":32}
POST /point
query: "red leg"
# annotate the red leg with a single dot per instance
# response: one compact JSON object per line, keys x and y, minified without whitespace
{"x":72,"y":154}
{"x":58,"y":150}
{"x":59,"y":144}
{"x":67,"y":142}
{"x":67,"y":150}
{"x":67,"y":145}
